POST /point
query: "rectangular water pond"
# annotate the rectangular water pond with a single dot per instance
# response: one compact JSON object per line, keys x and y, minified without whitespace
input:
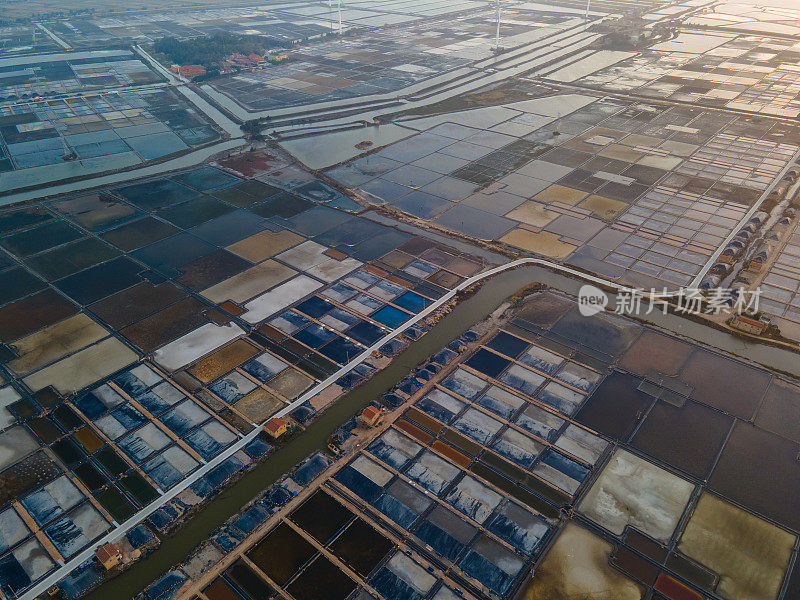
{"x":361,"y":547}
{"x":281,"y":553}
{"x":321,"y":516}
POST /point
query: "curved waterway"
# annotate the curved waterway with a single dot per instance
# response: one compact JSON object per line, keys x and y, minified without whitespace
{"x":175,"y":549}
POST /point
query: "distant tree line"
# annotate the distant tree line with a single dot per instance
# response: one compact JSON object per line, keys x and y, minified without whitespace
{"x":43,"y":16}
{"x":208,"y":50}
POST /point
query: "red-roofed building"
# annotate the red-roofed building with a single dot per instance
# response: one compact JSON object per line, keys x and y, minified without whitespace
{"x":256,"y":58}
{"x":188,"y":71}
{"x":748,"y":325}
{"x":276,"y":427}
{"x":241,"y":60}
{"x":226,"y":66}
{"x":372,"y":416}
{"x":108,"y":555}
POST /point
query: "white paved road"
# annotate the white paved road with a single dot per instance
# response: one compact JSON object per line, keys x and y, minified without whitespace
{"x":168,"y":496}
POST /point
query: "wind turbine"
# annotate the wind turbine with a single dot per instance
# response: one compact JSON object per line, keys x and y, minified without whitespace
{"x":497,"y":34}
{"x":588,"y":2}
{"x":339,"y":10}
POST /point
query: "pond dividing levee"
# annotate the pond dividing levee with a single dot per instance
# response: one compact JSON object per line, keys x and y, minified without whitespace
{"x":174,"y":550}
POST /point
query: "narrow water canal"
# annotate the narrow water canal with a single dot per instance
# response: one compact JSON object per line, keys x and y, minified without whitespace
{"x":174,"y":550}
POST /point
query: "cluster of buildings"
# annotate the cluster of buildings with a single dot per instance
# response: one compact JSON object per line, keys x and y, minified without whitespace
{"x":764,"y":243}
{"x":232,"y":63}
{"x":188,"y":71}
{"x":238,"y":61}
{"x":249,"y":62}
{"x":734,"y":250}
